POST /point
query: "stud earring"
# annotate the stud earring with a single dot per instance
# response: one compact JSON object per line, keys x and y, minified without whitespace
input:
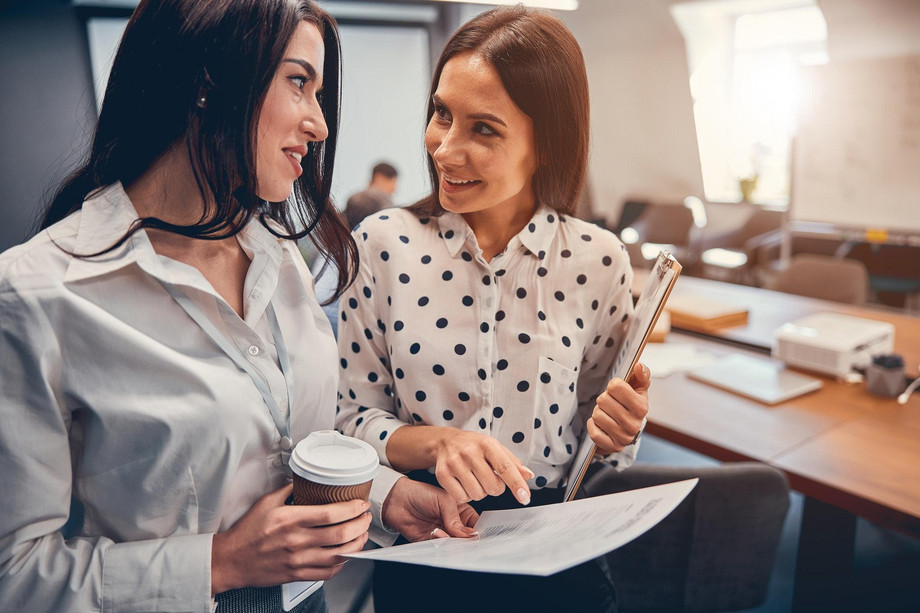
{"x":202,"y":102}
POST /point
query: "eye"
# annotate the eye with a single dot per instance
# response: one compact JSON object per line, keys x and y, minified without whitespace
{"x":484,"y":129}
{"x":441,"y":112}
{"x":299,"y":81}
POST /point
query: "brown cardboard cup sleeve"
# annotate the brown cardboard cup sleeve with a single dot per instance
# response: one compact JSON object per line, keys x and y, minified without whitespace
{"x":331,"y":467}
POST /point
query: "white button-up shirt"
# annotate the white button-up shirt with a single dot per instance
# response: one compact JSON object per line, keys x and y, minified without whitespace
{"x":518,"y":347}
{"x":110,"y":393}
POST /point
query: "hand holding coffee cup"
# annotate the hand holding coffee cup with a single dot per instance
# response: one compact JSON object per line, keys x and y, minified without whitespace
{"x":331,"y":467}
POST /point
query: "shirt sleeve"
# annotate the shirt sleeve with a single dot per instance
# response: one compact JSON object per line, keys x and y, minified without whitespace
{"x":366,"y":408}
{"x":597,"y":363}
{"x":39,"y":569}
{"x":383,"y":483}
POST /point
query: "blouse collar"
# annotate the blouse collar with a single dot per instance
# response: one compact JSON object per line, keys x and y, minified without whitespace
{"x":536,"y":236}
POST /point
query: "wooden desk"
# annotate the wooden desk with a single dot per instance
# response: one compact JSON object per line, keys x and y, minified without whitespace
{"x":850,"y":453}
{"x":839,"y":445}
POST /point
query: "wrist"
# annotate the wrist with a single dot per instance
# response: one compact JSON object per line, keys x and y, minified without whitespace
{"x":394,"y":491}
{"x":221,"y":574}
{"x":417,"y":447}
{"x":437,"y":442}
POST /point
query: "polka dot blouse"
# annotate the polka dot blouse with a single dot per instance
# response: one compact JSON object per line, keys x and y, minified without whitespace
{"x":518,"y":347}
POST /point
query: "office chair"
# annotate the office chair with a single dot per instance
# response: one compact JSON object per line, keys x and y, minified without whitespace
{"x":714,"y":552}
{"x":824,"y":277}
{"x":630,"y":212}
{"x":662,"y":226}
{"x":762,"y":227}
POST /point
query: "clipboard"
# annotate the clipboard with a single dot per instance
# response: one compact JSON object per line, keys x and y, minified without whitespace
{"x":648,"y":309}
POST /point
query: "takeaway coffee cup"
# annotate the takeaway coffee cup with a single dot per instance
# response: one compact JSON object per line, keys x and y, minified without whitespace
{"x":331,"y":467}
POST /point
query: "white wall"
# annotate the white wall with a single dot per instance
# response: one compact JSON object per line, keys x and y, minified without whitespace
{"x":876,"y":28}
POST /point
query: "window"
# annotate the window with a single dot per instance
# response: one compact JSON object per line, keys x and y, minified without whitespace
{"x":744,"y":57}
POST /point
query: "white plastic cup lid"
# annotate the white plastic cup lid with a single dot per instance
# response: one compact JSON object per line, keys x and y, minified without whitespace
{"x":331,"y":458}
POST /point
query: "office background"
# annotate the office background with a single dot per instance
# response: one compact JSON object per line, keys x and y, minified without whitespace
{"x":645,"y":139}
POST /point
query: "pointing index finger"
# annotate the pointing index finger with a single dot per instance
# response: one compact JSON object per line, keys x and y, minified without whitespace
{"x":507,"y":466}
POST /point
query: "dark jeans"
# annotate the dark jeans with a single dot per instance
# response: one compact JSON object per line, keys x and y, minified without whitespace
{"x":409,"y":588}
{"x":267,"y":600}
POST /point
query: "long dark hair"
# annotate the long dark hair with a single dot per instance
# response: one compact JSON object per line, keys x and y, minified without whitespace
{"x":175,"y":52}
{"x":542,"y":69}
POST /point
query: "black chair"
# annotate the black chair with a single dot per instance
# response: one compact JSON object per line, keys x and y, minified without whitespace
{"x":714,"y":552}
{"x":894,"y":272}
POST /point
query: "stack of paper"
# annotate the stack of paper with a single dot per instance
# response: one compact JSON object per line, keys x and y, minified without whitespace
{"x":694,"y":312}
{"x":664,"y":359}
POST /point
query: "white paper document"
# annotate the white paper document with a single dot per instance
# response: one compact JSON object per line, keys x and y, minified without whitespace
{"x":664,"y":359}
{"x":548,"y":539}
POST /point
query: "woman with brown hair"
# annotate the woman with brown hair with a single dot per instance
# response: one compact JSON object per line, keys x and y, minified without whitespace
{"x":161,"y":349}
{"x":478,"y":337}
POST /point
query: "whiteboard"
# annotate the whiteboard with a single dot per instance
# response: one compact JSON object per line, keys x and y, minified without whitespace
{"x":857,"y":152}
{"x":385,"y":80}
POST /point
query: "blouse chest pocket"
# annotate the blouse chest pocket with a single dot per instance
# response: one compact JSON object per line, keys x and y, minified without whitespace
{"x":554,"y":407}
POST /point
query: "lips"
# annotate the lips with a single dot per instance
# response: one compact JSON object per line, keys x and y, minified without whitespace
{"x":295,"y":156}
{"x":453,"y":185}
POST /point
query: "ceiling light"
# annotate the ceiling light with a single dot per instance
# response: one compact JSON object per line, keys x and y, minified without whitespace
{"x":560,"y":5}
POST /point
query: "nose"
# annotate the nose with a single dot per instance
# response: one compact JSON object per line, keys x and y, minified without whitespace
{"x":445,"y":146}
{"x":313,"y":124}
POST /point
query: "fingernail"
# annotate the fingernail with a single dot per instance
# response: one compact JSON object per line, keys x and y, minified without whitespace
{"x":469,"y":531}
{"x":365,"y":505}
{"x":523,"y":496}
{"x":530,"y":472}
{"x":437,"y":533}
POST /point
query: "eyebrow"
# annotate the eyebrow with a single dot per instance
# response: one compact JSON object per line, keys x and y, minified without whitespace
{"x":486,"y":116}
{"x":307,"y":66}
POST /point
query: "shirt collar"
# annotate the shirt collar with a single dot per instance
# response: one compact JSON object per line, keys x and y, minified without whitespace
{"x":104,"y":218}
{"x":108,"y":214}
{"x":536,"y":236}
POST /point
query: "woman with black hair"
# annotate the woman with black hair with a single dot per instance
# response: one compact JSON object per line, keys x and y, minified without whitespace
{"x":161,"y":348}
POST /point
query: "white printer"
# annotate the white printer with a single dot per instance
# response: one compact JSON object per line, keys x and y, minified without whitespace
{"x":832,"y":343}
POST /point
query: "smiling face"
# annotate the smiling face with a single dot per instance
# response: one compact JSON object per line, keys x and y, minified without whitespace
{"x":481,"y":143}
{"x":291,"y":115}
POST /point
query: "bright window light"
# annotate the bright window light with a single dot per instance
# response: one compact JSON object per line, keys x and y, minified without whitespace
{"x":744,"y":60}
{"x":785,"y":28}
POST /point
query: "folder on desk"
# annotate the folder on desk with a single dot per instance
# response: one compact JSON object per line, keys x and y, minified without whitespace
{"x":695,"y":312}
{"x":765,"y":380}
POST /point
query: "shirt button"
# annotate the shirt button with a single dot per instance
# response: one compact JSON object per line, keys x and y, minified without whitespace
{"x":253,"y":350}
{"x":286,"y":443}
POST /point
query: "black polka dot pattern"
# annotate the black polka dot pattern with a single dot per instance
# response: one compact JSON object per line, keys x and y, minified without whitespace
{"x":432,"y":333}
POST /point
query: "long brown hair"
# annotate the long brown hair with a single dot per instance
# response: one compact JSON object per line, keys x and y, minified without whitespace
{"x":542,"y":69}
{"x":175,"y":52}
